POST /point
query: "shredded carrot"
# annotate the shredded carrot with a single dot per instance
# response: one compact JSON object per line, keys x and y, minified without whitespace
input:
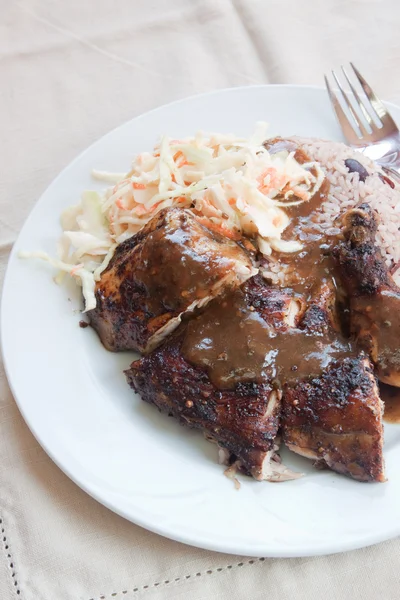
{"x":275,"y":180}
{"x":119,"y":184}
{"x":227,"y":232}
{"x":177,"y":155}
{"x":139,"y":186}
{"x":173,"y":178}
{"x":232,"y":201}
{"x":76,"y":268}
{"x":180,"y":159}
{"x":222,"y":229}
{"x":120,"y":204}
{"x":264,"y":189}
{"x":140,"y":210}
{"x":263,"y":175}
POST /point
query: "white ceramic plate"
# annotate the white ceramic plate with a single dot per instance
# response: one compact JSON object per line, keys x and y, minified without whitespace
{"x":144,"y":466}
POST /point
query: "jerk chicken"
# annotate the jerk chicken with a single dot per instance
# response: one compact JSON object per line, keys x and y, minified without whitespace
{"x":173,"y":265}
{"x":335,"y":416}
{"x":374,"y":298}
{"x":251,"y":363}
{"x":336,"y":419}
{"x":223,"y":373}
{"x":221,"y":388}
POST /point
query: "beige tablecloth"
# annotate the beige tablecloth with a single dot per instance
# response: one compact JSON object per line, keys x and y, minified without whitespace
{"x":69,"y":72}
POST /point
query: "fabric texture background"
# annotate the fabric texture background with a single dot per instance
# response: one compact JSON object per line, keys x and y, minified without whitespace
{"x":70,"y":72}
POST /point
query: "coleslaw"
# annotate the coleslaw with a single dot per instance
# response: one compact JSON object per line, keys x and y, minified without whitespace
{"x":233,"y":183}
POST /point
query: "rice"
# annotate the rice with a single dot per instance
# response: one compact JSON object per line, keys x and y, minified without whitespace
{"x":346,"y":191}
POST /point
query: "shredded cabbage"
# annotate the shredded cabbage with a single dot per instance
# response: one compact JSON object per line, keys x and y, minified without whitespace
{"x":235,"y":183}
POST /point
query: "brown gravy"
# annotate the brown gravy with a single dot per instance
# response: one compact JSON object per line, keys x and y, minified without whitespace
{"x":313,"y":263}
{"x":391,"y":397}
{"x":230,"y":342}
{"x":234,"y":344}
{"x":314,"y":259}
{"x":180,"y":263}
{"x":380,"y":315}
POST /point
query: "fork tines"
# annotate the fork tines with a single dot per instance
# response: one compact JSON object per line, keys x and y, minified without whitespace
{"x":375,"y":123}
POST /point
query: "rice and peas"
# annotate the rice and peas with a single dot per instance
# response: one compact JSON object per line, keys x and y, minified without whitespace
{"x":237,"y":186}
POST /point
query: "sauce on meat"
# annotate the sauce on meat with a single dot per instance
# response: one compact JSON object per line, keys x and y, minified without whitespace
{"x":313,"y":263}
{"x":180,"y":264}
{"x":232,"y":341}
{"x":380,"y":316}
{"x":234,"y":344}
{"x":391,"y":397}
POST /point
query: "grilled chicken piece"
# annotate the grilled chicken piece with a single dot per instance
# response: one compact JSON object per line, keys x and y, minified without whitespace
{"x":243,"y":418}
{"x":374,"y":298}
{"x":335,"y":417}
{"x":173,"y":265}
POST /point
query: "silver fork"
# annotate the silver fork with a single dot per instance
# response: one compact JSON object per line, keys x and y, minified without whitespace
{"x":380,"y":140}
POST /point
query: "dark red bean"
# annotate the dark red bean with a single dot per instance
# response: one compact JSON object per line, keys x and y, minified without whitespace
{"x":355,"y":167}
{"x":386,"y":180}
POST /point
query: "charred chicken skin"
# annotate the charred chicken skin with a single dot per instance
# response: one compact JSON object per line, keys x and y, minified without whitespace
{"x":334,"y":416}
{"x":173,"y":265}
{"x":247,"y":363}
{"x":243,"y":417}
{"x":336,"y":419}
{"x":374,"y":298}
{"x":233,"y":372}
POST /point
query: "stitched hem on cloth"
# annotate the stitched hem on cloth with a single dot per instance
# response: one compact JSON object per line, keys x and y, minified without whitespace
{"x":9,"y":559}
{"x":170,"y":582}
